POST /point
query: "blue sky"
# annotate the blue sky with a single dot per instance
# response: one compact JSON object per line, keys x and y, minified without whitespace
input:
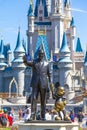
{"x":13,"y":13}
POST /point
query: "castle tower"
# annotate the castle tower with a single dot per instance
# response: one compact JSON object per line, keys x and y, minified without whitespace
{"x":9,"y":57}
{"x":85,"y":76}
{"x":2,"y":65}
{"x":41,"y":4}
{"x":2,"y":57}
{"x":67,"y":8}
{"x":65,"y":64}
{"x":57,"y":24}
{"x":67,"y":13}
{"x":18,"y":65}
{"x":78,"y":55}
{"x":85,"y":68}
{"x":72,"y":41}
{"x":30,"y":30}
{"x":48,"y":3}
{"x":65,"y":69}
{"x":56,"y":6}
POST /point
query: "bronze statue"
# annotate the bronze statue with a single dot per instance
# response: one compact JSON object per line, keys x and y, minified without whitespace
{"x":39,"y":82}
{"x":60,"y":102}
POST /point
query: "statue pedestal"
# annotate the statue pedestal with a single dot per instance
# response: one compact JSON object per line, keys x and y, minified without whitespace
{"x":48,"y":125}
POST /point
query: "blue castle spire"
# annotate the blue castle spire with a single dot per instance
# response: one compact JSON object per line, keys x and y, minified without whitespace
{"x":45,"y":8}
{"x":64,"y":46}
{"x":30,"y":11}
{"x":64,"y":50}
{"x":42,"y":41}
{"x":72,"y":22}
{"x":2,"y":57}
{"x":1,"y":49}
{"x":67,"y":2}
{"x":85,"y":61}
{"x":19,"y":45}
{"x":78,"y":46}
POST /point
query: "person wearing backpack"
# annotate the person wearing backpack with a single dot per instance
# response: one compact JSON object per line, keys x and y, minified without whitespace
{"x":4,"y":118}
{"x":3,"y":121}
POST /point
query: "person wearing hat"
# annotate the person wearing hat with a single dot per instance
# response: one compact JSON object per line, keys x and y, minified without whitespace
{"x":39,"y":82}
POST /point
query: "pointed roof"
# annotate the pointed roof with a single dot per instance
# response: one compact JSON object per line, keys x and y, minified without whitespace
{"x":2,"y":63}
{"x":85,"y":61}
{"x":30,"y":11}
{"x":19,"y":46}
{"x":7,"y":49}
{"x":78,"y":46}
{"x":42,"y":41}
{"x":72,"y":22}
{"x":67,"y":2}
{"x":24,"y":44}
{"x":1,"y":49}
{"x":64,"y":46}
{"x":45,"y":8}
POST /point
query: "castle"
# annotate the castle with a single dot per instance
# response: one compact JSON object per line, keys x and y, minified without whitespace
{"x":51,"y":24}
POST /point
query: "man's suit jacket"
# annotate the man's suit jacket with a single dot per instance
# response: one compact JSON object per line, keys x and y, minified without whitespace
{"x":40,"y":73}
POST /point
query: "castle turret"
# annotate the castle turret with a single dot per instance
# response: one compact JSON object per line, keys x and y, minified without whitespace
{"x":67,"y":8}
{"x":65,"y":69}
{"x":41,"y":8}
{"x":67,"y":13}
{"x":57,"y":24}
{"x":48,"y":3}
{"x":65,"y":64}
{"x":72,"y":41}
{"x":78,"y":55}
{"x":18,"y":65}
{"x":78,"y":45}
{"x":2,"y":65}
{"x":85,"y":77}
{"x":9,"y":57}
{"x":2,"y":57}
{"x":57,"y":7}
{"x":30,"y":30}
{"x":85,"y":67}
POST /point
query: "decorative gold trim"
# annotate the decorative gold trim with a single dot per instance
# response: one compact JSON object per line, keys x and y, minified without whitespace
{"x":41,"y":32}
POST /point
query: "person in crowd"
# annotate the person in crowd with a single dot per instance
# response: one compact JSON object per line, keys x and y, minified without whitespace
{"x":20,"y":114}
{"x":80,"y":116}
{"x":10,"y":118}
{"x":48,"y":115}
{"x":27,"y":115}
{"x":72,"y":116}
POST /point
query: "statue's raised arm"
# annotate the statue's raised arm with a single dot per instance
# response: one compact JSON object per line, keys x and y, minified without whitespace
{"x":26,"y":62}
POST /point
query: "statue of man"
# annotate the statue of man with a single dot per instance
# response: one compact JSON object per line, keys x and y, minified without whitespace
{"x":39,"y":82}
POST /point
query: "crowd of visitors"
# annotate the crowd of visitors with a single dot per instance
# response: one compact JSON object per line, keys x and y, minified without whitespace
{"x":7,"y":117}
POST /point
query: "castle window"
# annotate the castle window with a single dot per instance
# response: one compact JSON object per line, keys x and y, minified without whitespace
{"x":41,"y":11}
{"x":40,"y":18}
{"x":57,"y":11}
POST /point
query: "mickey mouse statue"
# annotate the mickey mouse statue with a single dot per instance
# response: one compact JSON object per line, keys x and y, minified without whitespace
{"x":60,"y":102}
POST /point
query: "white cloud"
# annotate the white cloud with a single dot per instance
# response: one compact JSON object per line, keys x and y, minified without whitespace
{"x":78,"y":10}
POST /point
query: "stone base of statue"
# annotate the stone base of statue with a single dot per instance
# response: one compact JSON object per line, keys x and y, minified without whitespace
{"x":48,"y":125}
